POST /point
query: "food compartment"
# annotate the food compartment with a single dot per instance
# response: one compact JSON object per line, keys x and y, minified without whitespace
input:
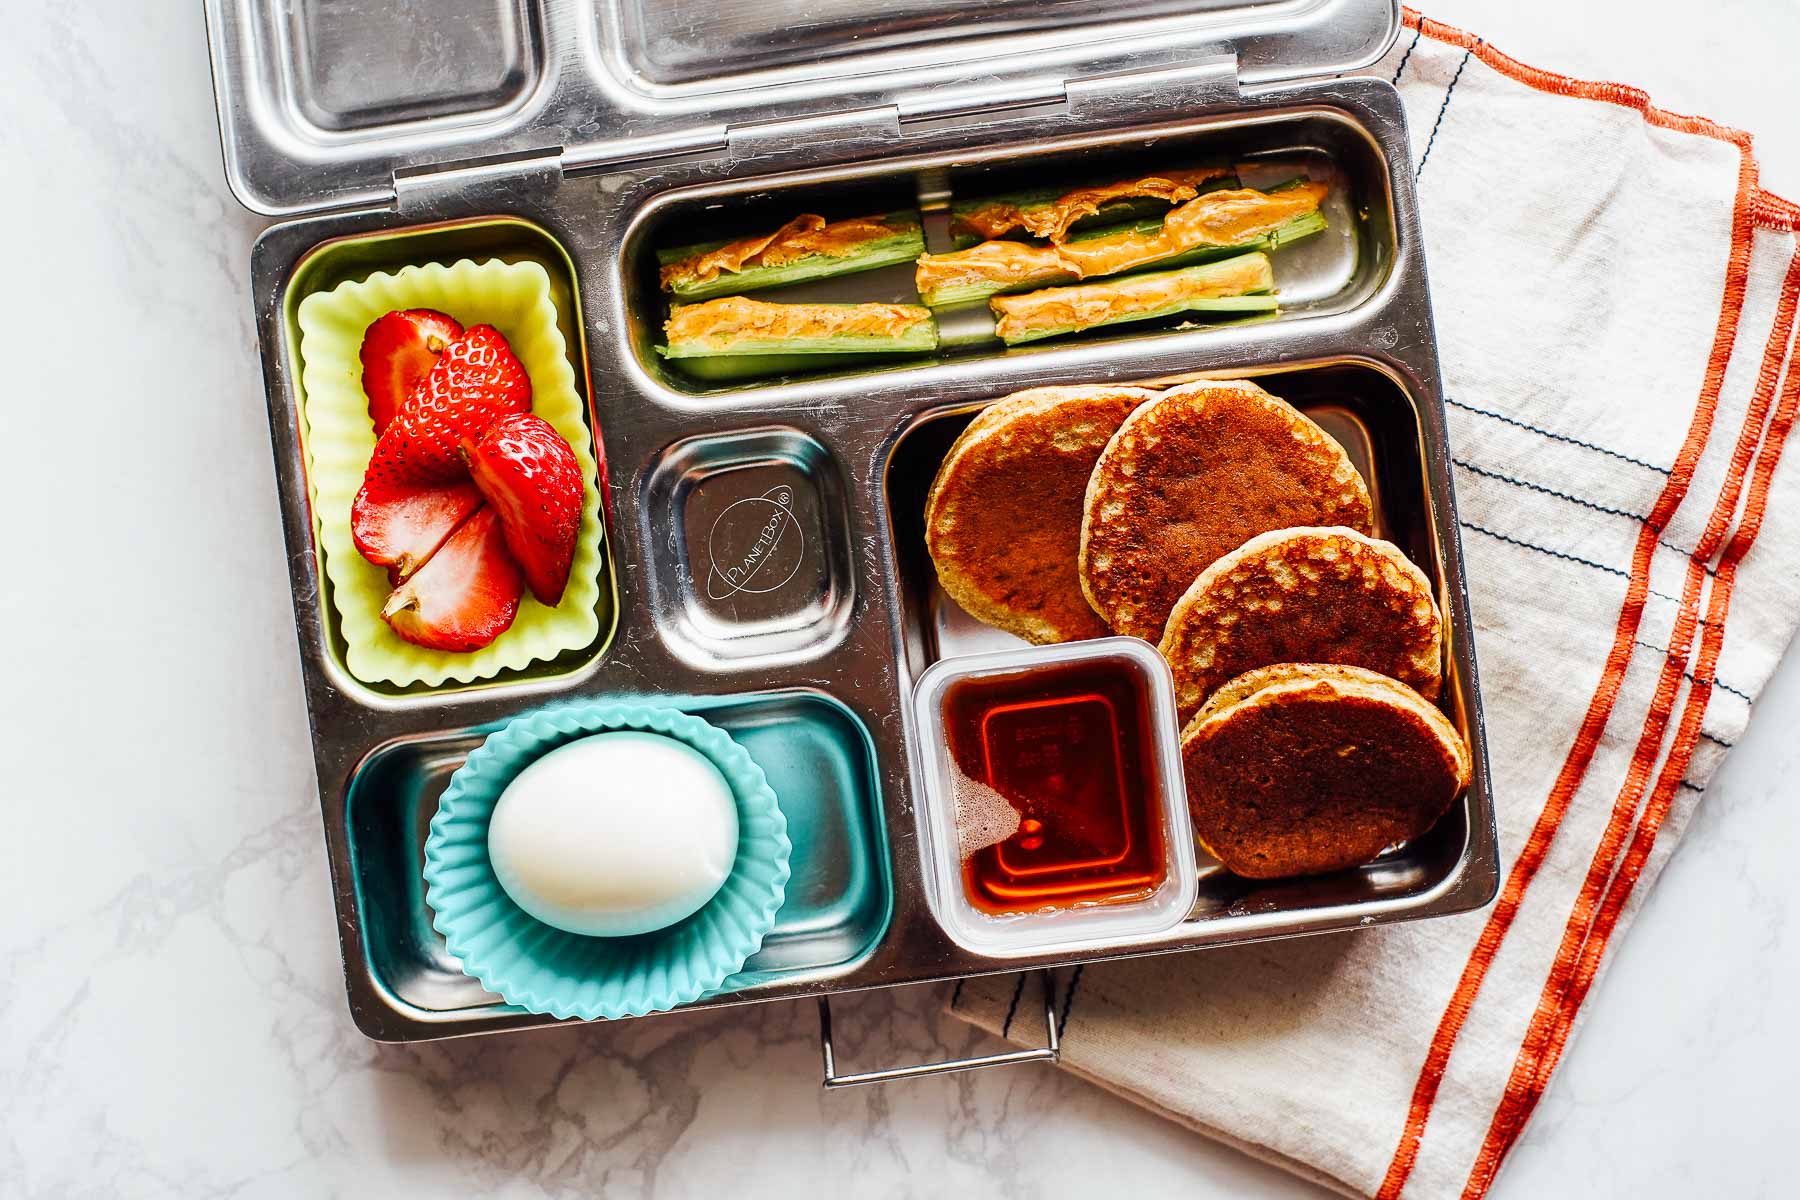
{"x":1315,"y":271}
{"x":819,"y":761}
{"x":1367,"y":411}
{"x":560,"y":640}
{"x":355,"y":65}
{"x":748,"y":546}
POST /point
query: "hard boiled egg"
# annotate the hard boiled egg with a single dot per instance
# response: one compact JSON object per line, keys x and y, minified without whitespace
{"x":615,"y":834}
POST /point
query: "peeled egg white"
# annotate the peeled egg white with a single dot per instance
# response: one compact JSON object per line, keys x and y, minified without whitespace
{"x":615,"y":834}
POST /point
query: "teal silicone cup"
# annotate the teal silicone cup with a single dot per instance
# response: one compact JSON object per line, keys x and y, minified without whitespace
{"x":546,"y":970}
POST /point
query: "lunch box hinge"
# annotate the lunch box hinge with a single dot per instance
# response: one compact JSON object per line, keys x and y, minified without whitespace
{"x":945,"y":103}
{"x":1155,"y":91}
{"x":497,"y":175}
{"x":1174,"y":84}
{"x":876,"y":125}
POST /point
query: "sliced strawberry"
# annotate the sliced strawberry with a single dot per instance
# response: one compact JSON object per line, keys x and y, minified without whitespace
{"x":398,"y":351}
{"x":465,"y":595}
{"x":401,"y":527}
{"x":530,"y":476}
{"x":476,"y":381}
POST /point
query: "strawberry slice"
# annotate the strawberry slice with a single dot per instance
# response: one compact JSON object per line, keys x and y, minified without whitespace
{"x":400,"y":527}
{"x":475,"y":382}
{"x":465,"y":595}
{"x":531,"y":478}
{"x":398,"y":351}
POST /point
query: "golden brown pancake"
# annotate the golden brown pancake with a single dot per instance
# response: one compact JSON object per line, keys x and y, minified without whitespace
{"x":1304,"y":768}
{"x":1003,"y":519}
{"x":1191,"y":478}
{"x":1316,"y":595}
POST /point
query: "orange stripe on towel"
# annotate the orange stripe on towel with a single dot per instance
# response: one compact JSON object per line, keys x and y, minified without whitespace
{"x":1618,"y":659}
{"x":1597,"y":907}
{"x":1644,"y":841}
{"x":1564,"y":85}
{"x":1772,"y":212}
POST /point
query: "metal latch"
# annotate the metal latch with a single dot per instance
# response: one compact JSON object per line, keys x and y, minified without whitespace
{"x":1050,"y":1051}
{"x":499,"y":176}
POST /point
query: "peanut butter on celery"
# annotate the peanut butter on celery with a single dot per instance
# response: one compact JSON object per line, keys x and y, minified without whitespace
{"x":1217,"y":219}
{"x":1000,"y":264}
{"x":807,"y":234}
{"x":1086,"y":305}
{"x":1052,"y":220}
{"x":1225,"y":218}
{"x":719,"y":324}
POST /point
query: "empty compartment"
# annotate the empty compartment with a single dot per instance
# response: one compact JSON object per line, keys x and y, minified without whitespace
{"x":1324,"y":272}
{"x":748,"y":546}
{"x":358,"y":65}
{"x":507,"y":240}
{"x":818,"y":759}
{"x":1375,"y":419}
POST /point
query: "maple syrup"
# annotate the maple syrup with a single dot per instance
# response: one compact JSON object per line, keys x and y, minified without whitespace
{"x":1070,"y":748}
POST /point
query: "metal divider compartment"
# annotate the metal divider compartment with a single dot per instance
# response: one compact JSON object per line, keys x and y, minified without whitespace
{"x":356,"y":67}
{"x":1325,"y":274}
{"x":818,"y":758}
{"x":1370,"y":413}
{"x":506,"y":238}
{"x":754,"y":560}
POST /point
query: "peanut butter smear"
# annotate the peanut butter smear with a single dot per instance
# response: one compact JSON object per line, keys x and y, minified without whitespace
{"x":732,"y":320}
{"x":807,"y":234}
{"x":1086,"y":305}
{"x":1001,"y":264}
{"x":1052,"y":220}
{"x":1216,"y":219}
{"x":1225,"y":218}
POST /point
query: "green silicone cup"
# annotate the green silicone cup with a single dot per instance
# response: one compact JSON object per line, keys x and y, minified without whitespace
{"x":340,"y":437}
{"x":546,"y":970}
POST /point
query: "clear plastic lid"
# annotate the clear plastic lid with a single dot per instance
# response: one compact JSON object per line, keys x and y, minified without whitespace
{"x":1052,"y":813}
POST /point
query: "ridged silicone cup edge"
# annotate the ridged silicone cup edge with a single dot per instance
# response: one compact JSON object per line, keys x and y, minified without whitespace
{"x":546,"y":970}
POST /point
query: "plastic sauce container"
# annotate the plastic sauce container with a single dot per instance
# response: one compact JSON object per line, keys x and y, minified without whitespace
{"x":1053,"y":813}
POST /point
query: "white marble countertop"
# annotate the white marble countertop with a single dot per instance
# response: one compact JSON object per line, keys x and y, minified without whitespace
{"x":174,"y":1018}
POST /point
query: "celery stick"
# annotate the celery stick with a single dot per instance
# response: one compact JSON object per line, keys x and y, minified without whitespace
{"x":914,"y":340}
{"x":905,"y":244}
{"x":1219,"y":304}
{"x":1123,"y":209}
{"x":732,"y":368}
{"x":919,"y":335}
{"x":1257,"y":298}
{"x":1302,"y":226}
{"x":946,"y":297}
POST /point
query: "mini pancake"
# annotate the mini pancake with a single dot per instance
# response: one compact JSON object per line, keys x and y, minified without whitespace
{"x":1305,"y":768}
{"x":1191,"y":478}
{"x":1305,"y":595}
{"x":1003,"y":518}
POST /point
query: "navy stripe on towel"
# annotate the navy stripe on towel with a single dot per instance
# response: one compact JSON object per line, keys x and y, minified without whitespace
{"x":1442,"y":109}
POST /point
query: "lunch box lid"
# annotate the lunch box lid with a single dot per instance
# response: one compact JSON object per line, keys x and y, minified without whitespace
{"x":336,"y":104}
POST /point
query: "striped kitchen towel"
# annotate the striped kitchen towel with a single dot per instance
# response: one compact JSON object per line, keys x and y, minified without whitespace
{"x":1615,"y":300}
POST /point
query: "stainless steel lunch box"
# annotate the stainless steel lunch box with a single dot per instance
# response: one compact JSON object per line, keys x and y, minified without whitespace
{"x":576,"y":134}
